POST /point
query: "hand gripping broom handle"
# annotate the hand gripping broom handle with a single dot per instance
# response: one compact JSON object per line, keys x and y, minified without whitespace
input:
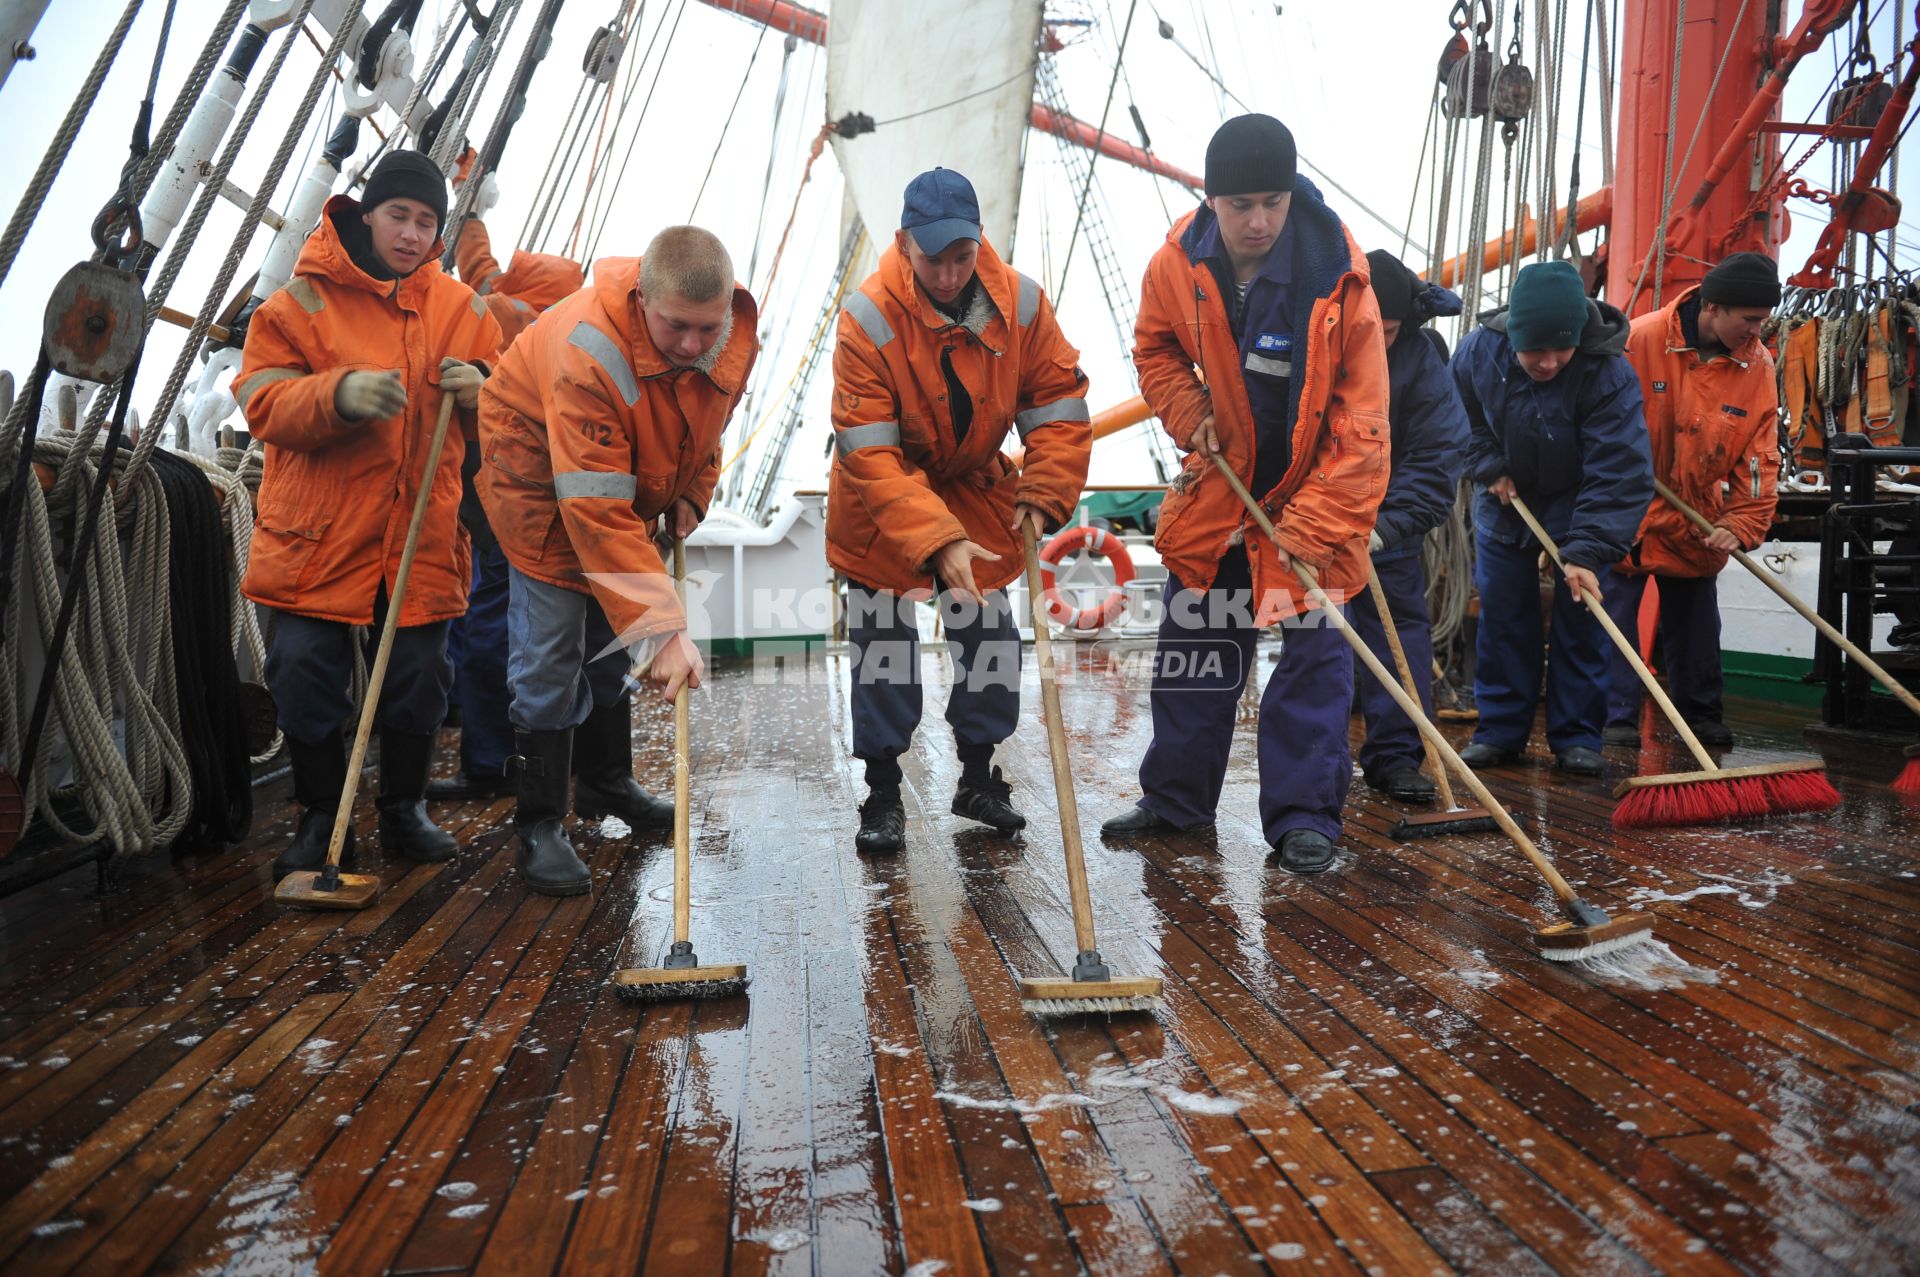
{"x":682,"y":797}
{"x":1408,"y":706}
{"x":343,"y":815}
{"x":1621,"y":641}
{"x":1082,"y":902}
{"x":1406,"y":680}
{"x":1792,"y":600}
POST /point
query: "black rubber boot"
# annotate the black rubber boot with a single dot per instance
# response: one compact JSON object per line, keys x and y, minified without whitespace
{"x":463,"y":785}
{"x":606,"y":787}
{"x":547,"y":862}
{"x":319,"y":774}
{"x":405,"y":828}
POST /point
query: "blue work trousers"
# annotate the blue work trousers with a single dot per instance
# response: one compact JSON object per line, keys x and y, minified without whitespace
{"x":1511,"y":654}
{"x":1206,"y":650}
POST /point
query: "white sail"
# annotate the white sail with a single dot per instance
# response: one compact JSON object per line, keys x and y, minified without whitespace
{"x":946,"y":85}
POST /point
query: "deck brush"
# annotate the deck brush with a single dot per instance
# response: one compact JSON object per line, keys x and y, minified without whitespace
{"x":1093,"y":988}
{"x":1714,"y":794}
{"x":1908,"y":781}
{"x":681,"y":975}
{"x":327,"y":887}
{"x":1589,"y":931}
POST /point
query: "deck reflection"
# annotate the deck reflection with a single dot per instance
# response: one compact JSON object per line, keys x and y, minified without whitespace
{"x":1362,"y":1072}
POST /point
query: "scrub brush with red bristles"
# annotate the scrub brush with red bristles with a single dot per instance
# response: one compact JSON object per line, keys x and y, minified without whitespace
{"x":1713,"y":795}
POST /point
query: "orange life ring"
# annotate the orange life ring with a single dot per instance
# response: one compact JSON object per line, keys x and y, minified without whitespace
{"x":1098,"y":541}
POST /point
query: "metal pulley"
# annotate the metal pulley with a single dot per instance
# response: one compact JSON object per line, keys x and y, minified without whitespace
{"x":1462,"y":61}
{"x":95,"y":321}
{"x":1512,"y":94}
{"x":603,"y":55}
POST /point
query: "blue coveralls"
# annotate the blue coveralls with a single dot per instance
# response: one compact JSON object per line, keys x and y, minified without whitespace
{"x":477,"y":647}
{"x":1206,"y":646}
{"x":1576,"y":449}
{"x":1430,"y":434}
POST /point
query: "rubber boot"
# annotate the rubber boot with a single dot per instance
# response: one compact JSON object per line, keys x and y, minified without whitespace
{"x":405,"y":828}
{"x":319,"y":774}
{"x":547,"y":862}
{"x":604,"y":758}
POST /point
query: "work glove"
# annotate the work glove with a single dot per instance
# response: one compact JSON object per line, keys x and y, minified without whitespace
{"x":1373,"y":542}
{"x":462,"y":381}
{"x":369,"y":396}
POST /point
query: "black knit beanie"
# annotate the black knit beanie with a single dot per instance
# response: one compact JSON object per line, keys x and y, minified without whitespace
{"x":1744,"y":279}
{"x":1249,"y":154}
{"x":1394,"y":285}
{"x":407,"y":175}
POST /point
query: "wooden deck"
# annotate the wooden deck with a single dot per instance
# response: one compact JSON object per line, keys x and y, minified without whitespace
{"x":1362,"y":1072}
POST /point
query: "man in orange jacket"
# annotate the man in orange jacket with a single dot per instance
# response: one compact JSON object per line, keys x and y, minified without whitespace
{"x":943,"y":351}
{"x":602,"y":424}
{"x":1259,"y":338}
{"x":342,"y":376}
{"x":1712,"y":409}
{"x":477,"y":642}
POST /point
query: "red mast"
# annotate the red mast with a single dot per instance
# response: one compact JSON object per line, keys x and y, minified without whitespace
{"x":1714,"y":188}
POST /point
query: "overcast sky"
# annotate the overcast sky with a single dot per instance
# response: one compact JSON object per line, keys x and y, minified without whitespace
{"x":1352,"y":80}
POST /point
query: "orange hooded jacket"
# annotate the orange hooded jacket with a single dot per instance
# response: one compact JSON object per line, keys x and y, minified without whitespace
{"x":588,"y":434}
{"x":336,"y":496}
{"x":518,"y":294}
{"x":1713,"y":428}
{"x":1189,"y":365}
{"x":902,"y":485}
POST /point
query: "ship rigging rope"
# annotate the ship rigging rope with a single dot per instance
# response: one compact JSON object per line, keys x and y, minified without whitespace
{"x":453,"y":134}
{"x":243,"y":239}
{"x":828,"y":314}
{"x":210,"y":191}
{"x":535,"y":238}
{"x":1568,"y":238}
{"x":1666,"y":203}
{"x":493,"y":148}
{"x":119,"y":657}
{"x":28,"y":210}
{"x":590,"y":187}
{"x":603,"y":198}
{"x":1673,"y":123}
{"x":727,"y":127}
{"x":1086,"y":188}
{"x":1413,"y":201}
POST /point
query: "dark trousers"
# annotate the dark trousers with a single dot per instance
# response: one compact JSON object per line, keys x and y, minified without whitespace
{"x":1689,"y":646}
{"x":1392,"y":740}
{"x":1509,"y":654}
{"x":1205,"y":652}
{"x":983,"y":706}
{"x":477,"y":646}
{"x":310,"y":673}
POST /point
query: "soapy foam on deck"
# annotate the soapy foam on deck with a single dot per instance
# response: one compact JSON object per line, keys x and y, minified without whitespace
{"x":1650,"y":965}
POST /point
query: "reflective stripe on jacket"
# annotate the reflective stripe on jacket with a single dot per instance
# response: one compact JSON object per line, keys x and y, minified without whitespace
{"x":1713,"y":429}
{"x":903,"y":485}
{"x":336,"y":496}
{"x":517,"y":295}
{"x":588,"y":434}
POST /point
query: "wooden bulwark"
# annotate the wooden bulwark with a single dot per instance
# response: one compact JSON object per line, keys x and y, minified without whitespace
{"x":1365,"y":1071}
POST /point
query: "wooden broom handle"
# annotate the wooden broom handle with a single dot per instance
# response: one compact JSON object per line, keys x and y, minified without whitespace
{"x":1406,"y":678}
{"x":1792,"y":600}
{"x":1057,"y":746}
{"x":1407,"y":704}
{"x":1700,"y":755}
{"x":682,"y":792}
{"x":343,"y":815}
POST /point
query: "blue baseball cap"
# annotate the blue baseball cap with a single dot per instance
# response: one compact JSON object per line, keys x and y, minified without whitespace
{"x":940,"y":208}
